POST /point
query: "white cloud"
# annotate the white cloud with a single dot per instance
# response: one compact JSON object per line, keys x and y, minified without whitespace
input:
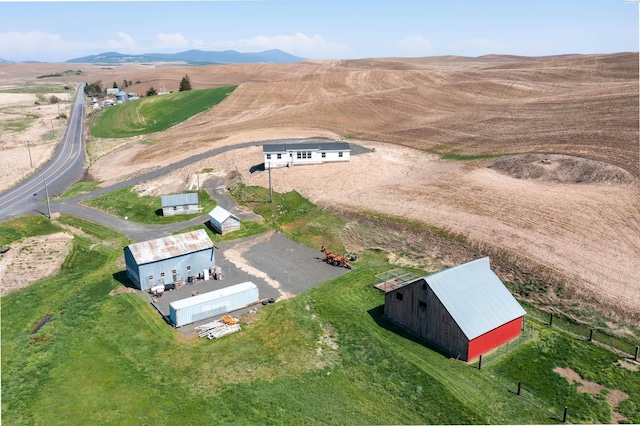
{"x":171,"y":41}
{"x":16,"y":46}
{"x":414,"y":45}
{"x":124,"y":44}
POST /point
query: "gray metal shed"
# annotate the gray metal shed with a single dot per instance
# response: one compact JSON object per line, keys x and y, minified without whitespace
{"x":169,"y":259}
{"x":223,"y":220}
{"x":176,"y":204}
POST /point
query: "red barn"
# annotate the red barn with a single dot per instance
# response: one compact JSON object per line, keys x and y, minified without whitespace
{"x":465,"y":310}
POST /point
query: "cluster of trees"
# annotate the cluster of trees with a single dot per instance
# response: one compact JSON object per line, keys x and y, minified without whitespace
{"x":96,"y":89}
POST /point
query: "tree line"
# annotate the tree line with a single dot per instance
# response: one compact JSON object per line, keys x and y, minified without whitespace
{"x":96,"y":88}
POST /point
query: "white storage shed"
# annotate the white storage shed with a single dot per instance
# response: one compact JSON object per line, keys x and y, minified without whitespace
{"x":223,"y":220}
{"x":207,"y":305}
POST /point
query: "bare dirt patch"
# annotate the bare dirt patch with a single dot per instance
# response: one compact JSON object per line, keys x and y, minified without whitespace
{"x":32,"y":259}
{"x":584,"y":386}
{"x":614,"y":396}
{"x":560,"y":168}
{"x":121,"y":290}
{"x":628,"y":365}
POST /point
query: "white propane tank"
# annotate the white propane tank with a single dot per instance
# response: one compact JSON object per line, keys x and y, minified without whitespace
{"x":206,"y":274}
{"x":157,"y":289}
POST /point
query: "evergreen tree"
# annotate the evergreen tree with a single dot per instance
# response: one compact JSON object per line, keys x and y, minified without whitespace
{"x":152,"y":91}
{"x":94,"y":89}
{"x":185,"y":83}
{"x":115,"y":85}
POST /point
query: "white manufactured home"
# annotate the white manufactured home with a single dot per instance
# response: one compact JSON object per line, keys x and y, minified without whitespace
{"x":293,"y":154}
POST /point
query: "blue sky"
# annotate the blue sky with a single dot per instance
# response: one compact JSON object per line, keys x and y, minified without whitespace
{"x":327,"y":29}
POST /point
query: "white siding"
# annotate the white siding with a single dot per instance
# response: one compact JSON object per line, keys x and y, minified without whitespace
{"x":219,"y":302}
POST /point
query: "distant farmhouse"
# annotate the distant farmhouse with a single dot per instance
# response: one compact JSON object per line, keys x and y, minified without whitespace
{"x":293,"y":154}
{"x":466,"y":310}
{"x":169,"y":259}
{"x":176,"y":204}
{"x":223,"y":220}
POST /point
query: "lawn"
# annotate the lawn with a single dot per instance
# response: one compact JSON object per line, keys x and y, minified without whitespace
{"x":80,"y":188}
{"x":146,"y":209}
{"x":155,"y":113}
{"x":326,"y":356}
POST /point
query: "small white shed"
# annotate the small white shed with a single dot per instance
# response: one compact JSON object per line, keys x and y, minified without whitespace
{"x":223,"y":220}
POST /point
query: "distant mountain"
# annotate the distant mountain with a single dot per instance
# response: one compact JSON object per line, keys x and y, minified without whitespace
{"x":4,"y":61}
{"x":274,"y":56}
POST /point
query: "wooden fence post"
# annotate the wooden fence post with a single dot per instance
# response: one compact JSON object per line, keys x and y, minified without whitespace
{"x":519,"y":386}
{"x":635,"y":358}
{"x":564,"y":416}
{"x":480,"y":363}
{"x":591,"y":335}
{"x":550,"y":319}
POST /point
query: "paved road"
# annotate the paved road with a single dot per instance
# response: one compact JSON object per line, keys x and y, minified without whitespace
{"x":65,"y":168}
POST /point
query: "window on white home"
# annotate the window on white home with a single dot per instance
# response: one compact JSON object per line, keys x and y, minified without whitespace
{"x":340,"y":154}
{"x":268,"y":156}
{"x":279,"y":156}
{"x":324,"y":155}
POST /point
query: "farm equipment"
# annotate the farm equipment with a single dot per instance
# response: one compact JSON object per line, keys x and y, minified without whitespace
{"x":334,"y":259}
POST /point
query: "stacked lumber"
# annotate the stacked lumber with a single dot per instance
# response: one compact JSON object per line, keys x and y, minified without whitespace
{"x":216,"y":329}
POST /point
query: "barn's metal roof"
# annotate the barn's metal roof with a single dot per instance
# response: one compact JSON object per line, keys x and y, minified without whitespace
{"x":212,"y":295}
{"x":220,"y":214}
{"x":179,"y":199}
{"x":305,"y":146}
{"x":168,"y":247}
{"x":475,"y":297}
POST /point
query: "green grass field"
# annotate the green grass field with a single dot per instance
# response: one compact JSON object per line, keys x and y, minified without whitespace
{"x":146,"y":209}
{"x":326,"y":356}
{"x":38,"y":88}
{"x":155,"y":113}
{"x":80,"y":188}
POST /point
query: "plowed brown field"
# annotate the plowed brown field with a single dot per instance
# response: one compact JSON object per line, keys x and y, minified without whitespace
{"x":575,"y":211}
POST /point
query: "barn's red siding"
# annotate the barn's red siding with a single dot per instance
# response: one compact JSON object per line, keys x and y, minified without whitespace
{"x":494,"y":338}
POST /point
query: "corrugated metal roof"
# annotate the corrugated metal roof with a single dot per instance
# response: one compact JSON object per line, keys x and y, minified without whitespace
{"x":179,"y":199}
{"x":212,"y":295}
{"x":168,"y":247}
{"x":306,"y":146}
{"x":220,"y":214}
{"x":475,"y":297}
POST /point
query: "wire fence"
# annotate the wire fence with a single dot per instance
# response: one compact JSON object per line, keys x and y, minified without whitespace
{"x":581,"y":330}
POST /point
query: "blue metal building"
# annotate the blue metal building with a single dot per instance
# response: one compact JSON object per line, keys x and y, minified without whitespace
{"x":169,"y":259}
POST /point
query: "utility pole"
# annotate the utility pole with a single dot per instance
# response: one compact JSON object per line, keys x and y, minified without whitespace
{"x":29,"y":149}
{"x":270,"y":190}
{"x":46,"y":191}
